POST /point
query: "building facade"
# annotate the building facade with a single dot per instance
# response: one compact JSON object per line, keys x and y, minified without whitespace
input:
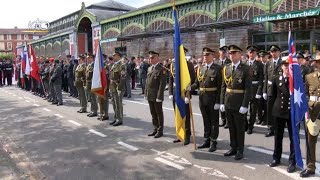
{"x":10,"y":39}
{"x":210,"y":23}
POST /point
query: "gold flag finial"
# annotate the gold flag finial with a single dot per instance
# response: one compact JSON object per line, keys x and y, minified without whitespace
{"x":173,"y":2}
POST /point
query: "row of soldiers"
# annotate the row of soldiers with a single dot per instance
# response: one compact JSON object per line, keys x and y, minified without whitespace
{"x":235,"y":87}
{"x":6,"y":72}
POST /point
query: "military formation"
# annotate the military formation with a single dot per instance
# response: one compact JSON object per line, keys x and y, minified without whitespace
{"x":234,"y":93}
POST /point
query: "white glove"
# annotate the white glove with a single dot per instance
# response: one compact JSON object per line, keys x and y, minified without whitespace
{"x":243,"y":110}
{"x":265,"y":96}
{"x":222,"y":108}
{"x":258,"y":96}
{"x":170,"y":97}
{"x":186,"y":100}
{"x":216,"y":107}
{"x":158,"y":100}
{"x":189,"y":88}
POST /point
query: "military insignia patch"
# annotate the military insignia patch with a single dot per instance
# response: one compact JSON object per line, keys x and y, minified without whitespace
{"x":280,"y":78}
{"x":280,"y":72}
{"x":240,"y":81}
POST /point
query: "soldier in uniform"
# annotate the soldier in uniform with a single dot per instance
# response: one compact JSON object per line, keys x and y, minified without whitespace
{"x":312,"y":82}
{"x":273,"y":68}
{"x":45,"y":77}
{"x":262,"y":108}
{"x":281,"y":113}
{"x":56,"y":80}
{"x":235,"y":96}
{"x":53,"y":96}
{"x":303,"y":67}
{"x":1,"y":72}
{"x":93,"y":97}
{"x":117,"y":88}
{"x":8,"y":71}
{"x":104,"y":102}
{"x":79,"y":83}
{"x":75,"y":65}
{"x":171,"y":89}
{"x":256,"y":69}
{"x":223,"y":61}
{"x":70,"y":78}
{"x":208,"y":82}
{"x":154,"y":90}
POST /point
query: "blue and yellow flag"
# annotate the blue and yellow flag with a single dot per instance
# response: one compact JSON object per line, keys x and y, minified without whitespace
{"x":182,"y":79}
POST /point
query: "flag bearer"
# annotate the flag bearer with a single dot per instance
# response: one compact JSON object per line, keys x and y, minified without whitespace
{"x":282,"y":115}
{"x":93,"y":97}
{"x":172,"y":96}
{"x":80,"y":81}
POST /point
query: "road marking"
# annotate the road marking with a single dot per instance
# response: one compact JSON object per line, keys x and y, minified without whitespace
{"x":6,"y":91}
{"x":128,"y":146}
{"x":36,"y":105}
{"x":283,"y":155}
{"x":169,"y":163}
{"x":27,"y":101}
{"x":58,"y":115}
{"x":10,"y":93}
{"x":235,"y":177}
{"x":74,"y":122}
{"x":20,"y":97}
{"x":295,"y":175}
{"x":250,"y":167}
{"x":97,"y":133}
{"x":48,"y":110}
{"x":286,"y":130}
{"x":170,"y":109}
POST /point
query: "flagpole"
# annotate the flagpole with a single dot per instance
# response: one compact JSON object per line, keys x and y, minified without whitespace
{"x":192,"y":122}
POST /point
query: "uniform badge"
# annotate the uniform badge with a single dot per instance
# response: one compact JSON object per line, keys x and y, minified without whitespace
{"x":212,"y":79}
{"x":255,"y":73}
{"x":280,"y":78}
{"x":240,"y":81}
{"x":280,"y":72}
{"x":280,"y":84}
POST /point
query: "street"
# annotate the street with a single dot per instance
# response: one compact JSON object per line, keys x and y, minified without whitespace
{"x":56,"y":142}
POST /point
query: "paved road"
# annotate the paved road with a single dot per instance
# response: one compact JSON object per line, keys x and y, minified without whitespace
{"x":55,"y":142}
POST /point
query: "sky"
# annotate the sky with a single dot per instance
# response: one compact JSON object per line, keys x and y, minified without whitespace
{"x":20,"y":12}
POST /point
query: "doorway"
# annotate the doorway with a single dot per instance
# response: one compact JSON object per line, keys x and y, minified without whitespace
{"x":85,"y":36}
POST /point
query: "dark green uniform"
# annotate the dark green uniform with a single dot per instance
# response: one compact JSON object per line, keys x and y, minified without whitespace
{"x":104,"y":102}
{"x":235,"y":95}
{"x":172,"y":92}
{"x":93,"y":97}
{"x":80,"y":81}
{"x":117,"y":85}
{"x":154,"y":90}
{"x":208,"y":82}
{"x":312,"y":82}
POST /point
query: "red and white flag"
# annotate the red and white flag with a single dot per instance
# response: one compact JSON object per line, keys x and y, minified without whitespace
{"x":99,"y":78}
{"x":34,"y":65}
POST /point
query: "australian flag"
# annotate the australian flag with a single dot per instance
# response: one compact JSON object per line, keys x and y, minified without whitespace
{"x":298,"y":99}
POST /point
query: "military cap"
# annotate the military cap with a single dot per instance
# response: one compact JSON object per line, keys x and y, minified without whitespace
{"x":68,"y":56}
{"x":51,"y":59}
{"x":251,"y":48}
{"x":223,"y":48}
{"x":46,"y":61}
{"x":90,"y":55}
{"x":274,"y":48}
{"x":316,"y":58}
{"x":75,"y":61}
{"x":82,"y":56}
{"x":234,"y":48}
{"x":285,"y":60}
{"x":153,"y":53}
{"x":207,"y":50}
{"x":117,"y":52}
{"x":56,"y":61}
{"x":185,"y":49}
{"x":262,"y":53}
{"x":300,"y":55}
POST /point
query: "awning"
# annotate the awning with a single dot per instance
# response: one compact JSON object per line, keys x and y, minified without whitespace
{"x":288,"y":15}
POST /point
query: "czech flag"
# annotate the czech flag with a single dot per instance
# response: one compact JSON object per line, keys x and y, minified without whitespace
{"x":99,"y":79}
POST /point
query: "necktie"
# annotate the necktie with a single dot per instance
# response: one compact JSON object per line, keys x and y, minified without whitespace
{"x":233,"y":69}
{"x":222,"y":62}
{"x":250,"y":63}
{"x":274,"y":63}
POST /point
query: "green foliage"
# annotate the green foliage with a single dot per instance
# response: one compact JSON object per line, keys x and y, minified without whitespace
{"x":6,"y":56}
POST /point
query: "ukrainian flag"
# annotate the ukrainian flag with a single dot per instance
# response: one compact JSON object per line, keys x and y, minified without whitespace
{"x":182,"y":79}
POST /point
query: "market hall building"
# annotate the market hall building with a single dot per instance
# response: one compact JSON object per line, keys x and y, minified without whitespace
{"x":211,"y":23}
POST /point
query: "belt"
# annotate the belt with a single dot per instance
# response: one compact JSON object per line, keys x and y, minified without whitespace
{"x":269,"y":82}
{"x":236,"y":91}
{"x":208,"y":89}
{"x":255,"y":82}
{"x":315,"y":98}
